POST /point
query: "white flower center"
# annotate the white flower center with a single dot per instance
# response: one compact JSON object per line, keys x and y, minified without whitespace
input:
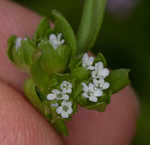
{"x":56,"y":40}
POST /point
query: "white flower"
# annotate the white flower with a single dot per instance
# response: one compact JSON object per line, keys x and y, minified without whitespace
{"x":54,"y":105}
{"x":101,"y":83}
{"x":65,"y":109}
{"x":62,"y":96}
{"x":57,"y":95}
{"x":87,"y":62}
{"x":100,"y":71}
{"x":53,"y":95}
{"x":91,"y":92}
{"x":66,"y":87}
{"x":18,"y":42}
{"x":56,"y":40}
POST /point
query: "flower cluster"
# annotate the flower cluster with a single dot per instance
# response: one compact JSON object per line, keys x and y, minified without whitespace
{"x":98,"y":73}
{"x":65,"y":108}
{"x":56,"y":40}
{"x":56,"y":54}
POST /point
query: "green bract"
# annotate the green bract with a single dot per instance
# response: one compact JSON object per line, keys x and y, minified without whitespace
{"x":62,"y":74}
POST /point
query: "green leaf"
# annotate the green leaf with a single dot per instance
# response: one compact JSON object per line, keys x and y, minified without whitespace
{"x":30,"y":92}
{"x":118,"y":79}
{"x":63,"y":26}
{"x":100,"y":106}
{"x":11,"y":44}
{"x":52,"y":60}
{"x":61,"y":127}
{"x":42,"y":30}
{"x":80,"y":74}
{"x":28,"y":51}
{"x":90,"y":25}
{"x":40,"y":78}
{"x":100,"y":57}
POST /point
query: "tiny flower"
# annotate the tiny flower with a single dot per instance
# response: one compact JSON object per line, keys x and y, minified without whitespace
{"x":65,"y":109}
{"x":87,"y":62}
{"x":100,"y":83}
{"x":18,"y":42}
{"x":57,"y":95}
{"x":56,"y":40}
{"x":54,"y":105}
{"x":100,"y":71}
{"x":91,"y":92}
{"x":62,"y":96}
{"x":66,"y":87}
{"x":53,"y":95}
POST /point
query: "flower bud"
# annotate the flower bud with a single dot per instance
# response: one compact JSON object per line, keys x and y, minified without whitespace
{"x":20,"y":51}
{"x":54,"y":60}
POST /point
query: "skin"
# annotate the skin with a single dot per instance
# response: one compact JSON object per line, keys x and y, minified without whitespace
{"x":21,"y":124}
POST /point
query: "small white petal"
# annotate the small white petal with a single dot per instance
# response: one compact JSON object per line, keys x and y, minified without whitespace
{"x":65,"y":97}
{"x":65,"y":103}
{"x":59,"y":36}
{"x":54,"y":105}
{"x":85,"y":87}
{"x":64,"y":114}
{"x":93,"y":99}
{"x":55,"y":91}
{"x":106,"y":86}
{"x":85,"y":57}
{"x":105,"y":72}
{"x":69,"y":104}
{"x":91,"y":68}
{"x":99,"y":65}
{"x":98,"y":93}
{"x":70,"y":110}
{"x":91,"y":60}
{"x":55,"y":40}
{"x":51,"y":97}
{"x":62,"y":41}
{"x":85,"y":95}
{"x":87,"y":62}
{"x":59,"y":110}
{"x":91,"y":87}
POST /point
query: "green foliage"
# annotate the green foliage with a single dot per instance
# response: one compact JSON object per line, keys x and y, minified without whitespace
{"x":51,"y":66}
{"x":61,"y":127}
{"x":52,"y":60}
{"x":30,"y":92}
{"x":118,"y":79}
{"x":80,"y":74}
{"x":40,"y":78}
{"x":42,"y":30}
{"x":100,"y":57}
{"x":91,"y":22}
{"x":28,"y":48}
{"x":11,"y":41}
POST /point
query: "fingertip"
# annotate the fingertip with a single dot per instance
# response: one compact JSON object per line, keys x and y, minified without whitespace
{"x":115,"y":126}
{"x":20,"y":124}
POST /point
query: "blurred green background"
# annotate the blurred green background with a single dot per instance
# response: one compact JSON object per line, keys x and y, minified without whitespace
{"x":125,"y":41}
